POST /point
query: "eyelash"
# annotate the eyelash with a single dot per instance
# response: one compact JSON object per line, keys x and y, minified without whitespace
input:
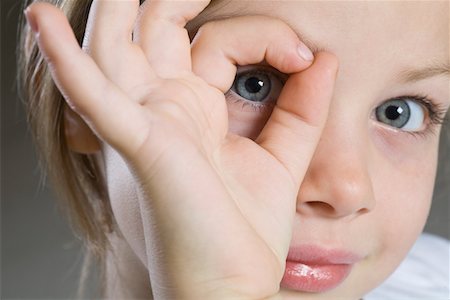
{"x":436,"y":113}
{"x":255,"y":106}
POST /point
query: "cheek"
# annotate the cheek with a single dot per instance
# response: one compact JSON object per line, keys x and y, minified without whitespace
{"x":406,"y":151}
{"x":245,"y":121}
{"x":124,"y":202}
{"x":405,"y":171}
{"x":403,"y":203}
{"x":403,"y":186}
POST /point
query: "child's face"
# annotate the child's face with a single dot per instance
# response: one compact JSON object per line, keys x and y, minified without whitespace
{"x":369,"y":186}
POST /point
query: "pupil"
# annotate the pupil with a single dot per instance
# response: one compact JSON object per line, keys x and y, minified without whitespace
{"x":393,"y":112}
{"x":253,"y":84}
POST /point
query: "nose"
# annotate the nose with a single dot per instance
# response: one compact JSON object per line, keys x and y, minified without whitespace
{"x":337,"y":183}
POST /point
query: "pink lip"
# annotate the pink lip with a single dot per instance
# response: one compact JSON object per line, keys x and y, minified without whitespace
{"x":315,"y":269}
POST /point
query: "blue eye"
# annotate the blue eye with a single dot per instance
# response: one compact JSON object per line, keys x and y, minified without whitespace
{"x":401,"y":113}
{"x":254,"y":87}
{"x":258,"y":87}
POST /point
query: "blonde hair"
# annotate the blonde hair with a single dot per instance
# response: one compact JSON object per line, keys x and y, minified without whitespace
{"x":77,"y":178}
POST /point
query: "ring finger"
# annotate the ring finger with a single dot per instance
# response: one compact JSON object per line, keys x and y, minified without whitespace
{"x":108,"y":40}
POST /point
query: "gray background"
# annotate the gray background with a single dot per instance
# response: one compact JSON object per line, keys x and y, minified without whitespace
{"x":40,"y":257}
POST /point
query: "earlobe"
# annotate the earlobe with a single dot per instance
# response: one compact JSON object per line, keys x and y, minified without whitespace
{"x":79,"y":136}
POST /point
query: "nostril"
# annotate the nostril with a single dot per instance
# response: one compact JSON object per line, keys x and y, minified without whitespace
{"x":321,"y":207}
{"x":326,"y":209}
{"x":363,"y":210}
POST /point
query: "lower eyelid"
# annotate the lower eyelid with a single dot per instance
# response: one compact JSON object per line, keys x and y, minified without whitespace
{"x":388,"y":132}
{"x":249,"y":106}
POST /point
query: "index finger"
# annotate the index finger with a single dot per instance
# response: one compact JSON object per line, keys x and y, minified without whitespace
{"x":243,"y":41}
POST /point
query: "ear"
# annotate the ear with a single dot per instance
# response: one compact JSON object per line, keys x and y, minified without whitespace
{"x":79,"y":136}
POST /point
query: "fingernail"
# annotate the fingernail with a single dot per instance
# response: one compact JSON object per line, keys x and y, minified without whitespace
{"x":31,"y":20}
{"x":304,"y":52}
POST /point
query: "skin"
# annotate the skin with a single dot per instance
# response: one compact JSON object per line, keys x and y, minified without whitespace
{"x":323,"y":170}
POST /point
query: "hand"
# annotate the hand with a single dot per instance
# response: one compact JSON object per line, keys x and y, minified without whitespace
{"x":217,"y":208}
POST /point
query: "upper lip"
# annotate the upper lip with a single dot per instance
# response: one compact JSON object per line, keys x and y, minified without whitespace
{"x":317,"y":255}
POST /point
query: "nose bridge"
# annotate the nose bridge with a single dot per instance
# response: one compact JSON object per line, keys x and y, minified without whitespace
{"x":338,"y":183}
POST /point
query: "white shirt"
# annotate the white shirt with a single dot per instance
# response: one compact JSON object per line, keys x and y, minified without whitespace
{"x":424,"y":274}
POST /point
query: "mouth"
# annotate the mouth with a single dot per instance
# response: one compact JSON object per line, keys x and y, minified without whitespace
{"x":314,"y":269}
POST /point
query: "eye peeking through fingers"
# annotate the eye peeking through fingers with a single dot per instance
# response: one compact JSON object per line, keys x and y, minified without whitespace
{"x":256,"y":87}
{"x":412,"y":114}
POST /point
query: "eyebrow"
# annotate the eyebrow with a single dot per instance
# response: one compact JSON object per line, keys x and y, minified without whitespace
{"x":404,"y":76}
{"x":413,"y":75}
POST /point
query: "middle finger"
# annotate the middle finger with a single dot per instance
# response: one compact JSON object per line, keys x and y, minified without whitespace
{"x":161,"y":34}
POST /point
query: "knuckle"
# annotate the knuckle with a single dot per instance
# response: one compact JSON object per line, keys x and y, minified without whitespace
{"x":207,"y":29}
{"x":331,"y":61}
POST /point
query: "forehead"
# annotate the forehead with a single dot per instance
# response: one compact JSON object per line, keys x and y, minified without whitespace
{"x":363,"y":34}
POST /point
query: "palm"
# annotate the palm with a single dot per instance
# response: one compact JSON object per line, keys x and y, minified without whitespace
{"x":245,"y":175}
{"x":251,"y":186}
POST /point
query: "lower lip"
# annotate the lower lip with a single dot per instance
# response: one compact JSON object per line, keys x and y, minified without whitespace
{"x":314,"y":278}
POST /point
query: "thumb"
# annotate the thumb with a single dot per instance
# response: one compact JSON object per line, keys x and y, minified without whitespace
{"x":295,"y":125}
